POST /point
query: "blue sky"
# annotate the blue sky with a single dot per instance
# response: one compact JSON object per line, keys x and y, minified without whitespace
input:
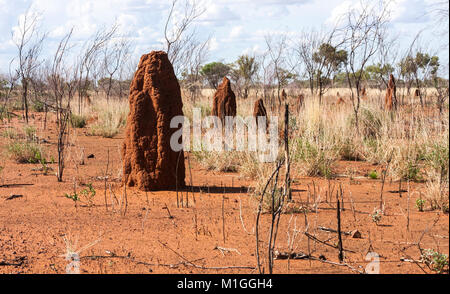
{"x":235,"y":26}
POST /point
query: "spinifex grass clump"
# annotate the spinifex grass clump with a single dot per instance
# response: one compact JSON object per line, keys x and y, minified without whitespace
{"x":110,"y":121}
{"x":25,"y":152}
{"x":315,"y":159}
{"x":78,"y":121}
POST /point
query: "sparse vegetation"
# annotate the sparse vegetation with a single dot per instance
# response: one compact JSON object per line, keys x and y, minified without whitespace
{"x":420,"y":204}
{"x":373,"y":175}
{"x":78,"y":121}
{"x":438,"y":262}
{"x":25,"y":152}
{"x":345,"y":144}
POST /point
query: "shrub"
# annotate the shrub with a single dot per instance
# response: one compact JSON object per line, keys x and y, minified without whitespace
{"x":376,"y":216}
{"x":370,"y":123}
{"x":25,"y":152}
{"x":77,"y":121}
{"x":30,"y":132}
{"x":420,"y":203}
{"x":315,"y":160}
{"x":4,"y":114}
{"x":373,"y":175}
{"x":438,"y":159}
{"x":438,"y":262}
{"x":38,"y":106}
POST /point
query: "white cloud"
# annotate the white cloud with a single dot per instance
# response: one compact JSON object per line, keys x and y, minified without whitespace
{"x":236,"y":31}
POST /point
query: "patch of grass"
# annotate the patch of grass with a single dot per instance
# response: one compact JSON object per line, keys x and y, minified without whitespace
{"x":370,"y":123}
{"x":315,"y":160}
{"x":10,"y":134}
{"x":30,"y":132}
{"x":109,"y":124}
{"x":438,"y":159}
{"x":37,"y":106}
{"x":4,"y":114}
{"x":218,"y":161}
{"x":25,"y":152}
{"x":78,"y":121}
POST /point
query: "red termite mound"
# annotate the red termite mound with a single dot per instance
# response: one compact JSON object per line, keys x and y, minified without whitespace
{"x":301,"y":100}
{"x":417,"y":93}
{"x":390,"y":93}
{"x":363,"y":93}
{"x":340,"y":99}
{"x":283,"y":95}
{"x":149,"y":162}
{"x":260,"y":110}
{"x":224,"y":101}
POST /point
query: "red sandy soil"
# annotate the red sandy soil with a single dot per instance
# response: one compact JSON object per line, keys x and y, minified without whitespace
{"x":147,"y":240}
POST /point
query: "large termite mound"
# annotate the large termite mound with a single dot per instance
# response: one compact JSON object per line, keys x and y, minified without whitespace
{"x":284,"y":95}
{"x":417,"y":93}
{"x":149,"y":162}
{"x":390,"y":93}
{"x":224,"y":100}
{"x":260,"y":111}
{"x":340,"y":99}
{"x":363,"y":93}
{"x":301,"y":100}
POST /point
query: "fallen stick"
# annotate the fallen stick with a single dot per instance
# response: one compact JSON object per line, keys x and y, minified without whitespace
{"x":222,"y":249}
{"x":333,"y":231}
{"x":325,"y":243}
{"x":204,"y":267}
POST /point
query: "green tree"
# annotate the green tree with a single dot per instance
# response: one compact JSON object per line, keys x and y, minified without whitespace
{"x":380,"y":73}
{"x":329,"y":61}
{"x":246,"y":68}
{"x":214,"y":72}
{"x":419,"y":69}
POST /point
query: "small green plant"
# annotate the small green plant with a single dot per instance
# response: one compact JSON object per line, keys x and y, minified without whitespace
{"x":89,"y":194}
{"x":77,"y":121}
{"x":376,"y":216}
{"x":75,"y":197}
{"x":38,"y":106}
{"x":438,"y":262}
{"x":4,"y":114}
{"x":373,"y":175}
{"x":45,"y":167}
{"x":420,"y":204}
{"x":30,"y":133}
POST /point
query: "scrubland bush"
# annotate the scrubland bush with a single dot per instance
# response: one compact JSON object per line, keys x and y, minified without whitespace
{"x":78,"y":121}
{"x":25,"y":152}
{"x":110,"y":120}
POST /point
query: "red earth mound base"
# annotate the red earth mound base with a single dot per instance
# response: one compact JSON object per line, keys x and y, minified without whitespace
{"x":224,"y":100}
{"x":149,"y":162}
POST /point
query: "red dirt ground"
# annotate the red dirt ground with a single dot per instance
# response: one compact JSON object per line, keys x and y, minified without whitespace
{"x":147,"y":240}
